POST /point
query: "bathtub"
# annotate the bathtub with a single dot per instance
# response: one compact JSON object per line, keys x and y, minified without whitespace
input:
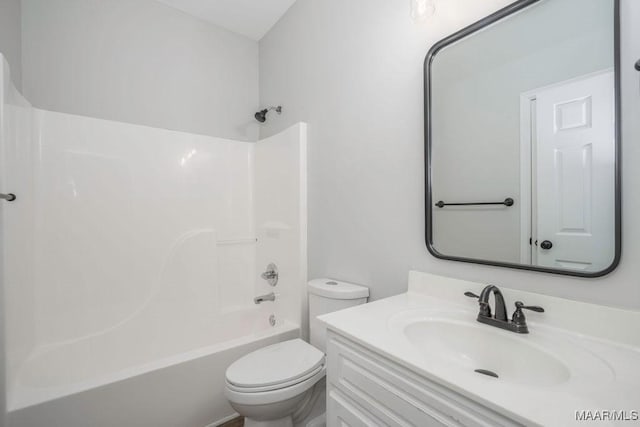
{"x":83,"y":383}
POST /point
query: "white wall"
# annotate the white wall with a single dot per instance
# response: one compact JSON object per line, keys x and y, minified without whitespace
{"x":142,"y":62}
{"x":10,"y":38}
{"x":353,"y":71}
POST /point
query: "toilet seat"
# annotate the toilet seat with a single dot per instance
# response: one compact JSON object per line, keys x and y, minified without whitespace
{"x":275,"y":386}
{"x":275,"y":373}
{"x":275,"y":366}
{"x":276,"y":395}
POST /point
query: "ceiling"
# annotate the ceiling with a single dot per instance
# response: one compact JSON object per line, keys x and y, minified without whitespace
{"x":251,"y":18}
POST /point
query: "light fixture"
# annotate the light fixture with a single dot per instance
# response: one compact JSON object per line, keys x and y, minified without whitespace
{"x":421,"y":10}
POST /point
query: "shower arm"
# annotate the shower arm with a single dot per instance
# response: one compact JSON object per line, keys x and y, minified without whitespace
{"x":261,"y":115}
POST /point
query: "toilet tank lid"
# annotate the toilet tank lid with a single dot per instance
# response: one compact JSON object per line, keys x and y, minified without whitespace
{"x":336,"y":289}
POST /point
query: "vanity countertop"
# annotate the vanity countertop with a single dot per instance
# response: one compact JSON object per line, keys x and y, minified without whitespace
{"x":598,"y":345}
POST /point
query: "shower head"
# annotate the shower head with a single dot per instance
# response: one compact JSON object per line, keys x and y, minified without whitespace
{"x":261,"y":116}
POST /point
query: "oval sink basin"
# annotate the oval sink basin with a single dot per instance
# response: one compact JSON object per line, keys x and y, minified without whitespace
{"x":480,"y":350}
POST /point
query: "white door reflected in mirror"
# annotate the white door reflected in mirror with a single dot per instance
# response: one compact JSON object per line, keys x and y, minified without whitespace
{"x":568,"y":134}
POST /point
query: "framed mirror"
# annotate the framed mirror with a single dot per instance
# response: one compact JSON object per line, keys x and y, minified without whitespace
{"x":522,"y":135}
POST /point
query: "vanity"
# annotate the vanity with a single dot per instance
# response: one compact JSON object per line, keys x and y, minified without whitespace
{"x":423,"y":359}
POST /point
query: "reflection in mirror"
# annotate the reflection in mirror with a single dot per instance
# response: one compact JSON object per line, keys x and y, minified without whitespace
{"x":522,"y":139}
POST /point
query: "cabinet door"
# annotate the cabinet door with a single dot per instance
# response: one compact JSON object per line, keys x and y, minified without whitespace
{"x":342,"y":412}
{"x":380,"y":392}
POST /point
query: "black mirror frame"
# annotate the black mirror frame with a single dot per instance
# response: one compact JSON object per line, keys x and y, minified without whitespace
{"x":477,"y":26}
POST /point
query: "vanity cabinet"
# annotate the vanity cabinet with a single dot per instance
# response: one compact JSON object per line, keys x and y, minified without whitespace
{"x":368,"y":389}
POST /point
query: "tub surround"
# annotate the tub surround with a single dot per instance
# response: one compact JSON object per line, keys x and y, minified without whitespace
{"x":135,"y":254}
{"x":601,"y":358}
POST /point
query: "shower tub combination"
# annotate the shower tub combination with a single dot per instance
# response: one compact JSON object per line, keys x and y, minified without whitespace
{"x":132,"y":256}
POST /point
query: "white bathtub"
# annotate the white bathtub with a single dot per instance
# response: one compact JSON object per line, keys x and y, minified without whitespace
{"x":86,"y":383}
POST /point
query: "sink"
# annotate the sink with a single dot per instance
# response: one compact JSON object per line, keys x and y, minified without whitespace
{"x":486,"y":352}
{"x":454,"y":341}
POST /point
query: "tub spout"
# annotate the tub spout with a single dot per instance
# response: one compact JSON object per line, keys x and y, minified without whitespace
{"x":263,"y":298}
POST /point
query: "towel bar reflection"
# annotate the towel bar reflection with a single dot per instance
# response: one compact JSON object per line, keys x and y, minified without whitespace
{"x":9,"y":197}
{"x":507,"y":202}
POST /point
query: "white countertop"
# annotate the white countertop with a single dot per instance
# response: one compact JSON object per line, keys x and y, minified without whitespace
{"x":606,"y":376}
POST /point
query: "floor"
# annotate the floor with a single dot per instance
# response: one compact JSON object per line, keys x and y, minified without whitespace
{"x":236,"y":422}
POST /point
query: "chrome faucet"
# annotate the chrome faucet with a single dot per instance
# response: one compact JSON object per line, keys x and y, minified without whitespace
{"x":263,"y":298}
{"x":518,"y":322}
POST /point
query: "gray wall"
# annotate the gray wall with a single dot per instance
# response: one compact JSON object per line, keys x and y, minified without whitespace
{"x":10,"y":38}
{"x":142,"y":62}
{"x":353,"y":71}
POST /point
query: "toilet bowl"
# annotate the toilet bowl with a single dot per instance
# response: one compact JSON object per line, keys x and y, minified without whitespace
{"x":268,"y":385}
{"x":278,"y":385}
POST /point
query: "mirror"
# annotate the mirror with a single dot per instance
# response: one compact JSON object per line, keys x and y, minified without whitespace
{"x":522,"y":139}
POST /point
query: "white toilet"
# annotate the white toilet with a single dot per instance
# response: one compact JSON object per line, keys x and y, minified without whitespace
{"x":275,"y":385}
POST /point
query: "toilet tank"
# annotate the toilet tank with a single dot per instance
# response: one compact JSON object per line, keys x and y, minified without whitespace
{"x":327,"y":296}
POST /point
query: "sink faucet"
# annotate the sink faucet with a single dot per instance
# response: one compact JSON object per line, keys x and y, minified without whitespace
{"x":268,"y":297}
{"x":483,"y":300}
{"x":518,"y":322}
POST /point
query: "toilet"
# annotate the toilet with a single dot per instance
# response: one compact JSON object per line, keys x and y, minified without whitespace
{"x":278,"y":385}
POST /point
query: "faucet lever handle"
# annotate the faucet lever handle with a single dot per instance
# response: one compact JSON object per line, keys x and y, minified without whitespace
{"x":485,"y":310}
{"x":520,"y":306}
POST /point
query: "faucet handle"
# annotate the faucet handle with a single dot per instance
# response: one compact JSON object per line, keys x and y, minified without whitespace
{"x":485,"y":310}
{"x":520,"y":306}
{"x":271,"y":274}
{"x":519,"y":319}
